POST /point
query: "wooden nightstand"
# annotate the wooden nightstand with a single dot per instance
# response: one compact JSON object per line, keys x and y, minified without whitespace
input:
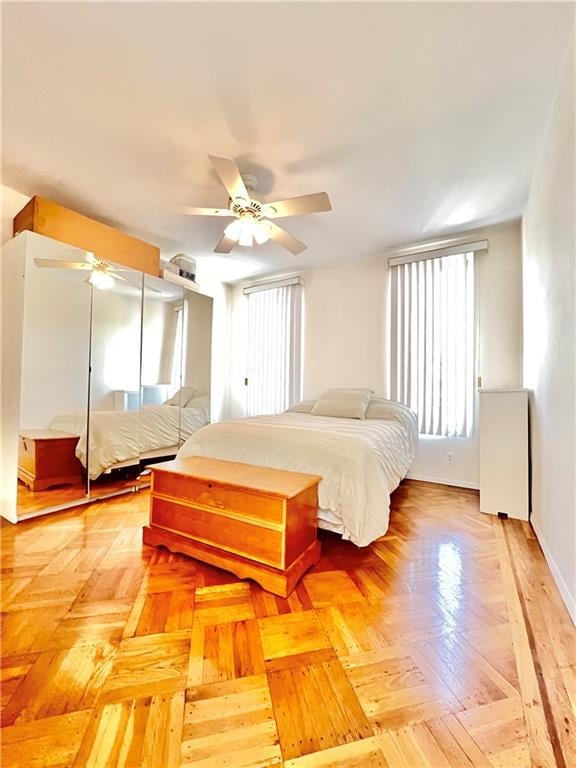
{"x":47,"y":458}
{"x":258,"y":522}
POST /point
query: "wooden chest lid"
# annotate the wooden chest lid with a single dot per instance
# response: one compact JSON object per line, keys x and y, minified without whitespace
{"x":268,"y":480}
{"x":46,"y":434}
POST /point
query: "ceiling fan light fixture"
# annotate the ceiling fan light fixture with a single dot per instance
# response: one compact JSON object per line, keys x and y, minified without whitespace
{"x":234,"y":229}
{"x":246,"y":238}
{"x":262,"y":233}
{"x":247,"y":230}
{"x":101,"y":279}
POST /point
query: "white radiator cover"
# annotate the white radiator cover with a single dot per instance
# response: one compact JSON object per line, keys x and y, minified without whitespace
{"x":504,"y":479}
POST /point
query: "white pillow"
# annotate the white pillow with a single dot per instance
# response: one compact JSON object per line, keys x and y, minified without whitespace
{"x":304,"y":406}
{"x":344,"y":403}
{"x":181,"y":397}
{"x":199,"y":401}
{"x":389,"y":410}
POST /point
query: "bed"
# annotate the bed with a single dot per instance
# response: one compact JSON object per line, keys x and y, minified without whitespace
{"x":124,"y":438}
{"x":361,"y":461}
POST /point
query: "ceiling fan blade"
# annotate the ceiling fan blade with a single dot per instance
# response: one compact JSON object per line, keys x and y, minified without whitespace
{"x":295,"y":206}
{"x":193,"y":211}
{"x":229,"y":175}
{"x":282,"y":237}
{"x":59,"y":264}
{"x":225,"y":245}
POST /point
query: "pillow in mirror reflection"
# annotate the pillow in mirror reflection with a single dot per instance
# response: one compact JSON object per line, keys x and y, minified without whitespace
{"x":181,"y":397}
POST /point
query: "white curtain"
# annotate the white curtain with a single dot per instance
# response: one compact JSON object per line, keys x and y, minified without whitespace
{"x":274,"y":349}
{"x":433,"y":345}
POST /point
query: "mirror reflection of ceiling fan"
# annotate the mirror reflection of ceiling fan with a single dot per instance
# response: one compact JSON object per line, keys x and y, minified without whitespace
{"x":253,"y":220}
{"x":102,"y":274}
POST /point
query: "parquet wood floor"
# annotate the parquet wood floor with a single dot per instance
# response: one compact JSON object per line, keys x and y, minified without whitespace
{"x":443,"y":645}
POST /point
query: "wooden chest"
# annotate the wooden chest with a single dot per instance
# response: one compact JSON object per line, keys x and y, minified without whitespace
{"x":257,"y":522}
{"x":47,"y":458}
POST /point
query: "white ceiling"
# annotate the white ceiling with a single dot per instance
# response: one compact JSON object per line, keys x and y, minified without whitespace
{"x":418,"y":119}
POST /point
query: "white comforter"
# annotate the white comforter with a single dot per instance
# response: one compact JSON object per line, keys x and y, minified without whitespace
{"x":361,"y":461}
{"x":118,"y":436}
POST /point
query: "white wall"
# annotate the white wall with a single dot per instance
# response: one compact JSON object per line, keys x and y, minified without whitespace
{"x":345,"y":314}
{"x":345,"y":339}
{"x":12,"y":203}
{"x":549,"y":338}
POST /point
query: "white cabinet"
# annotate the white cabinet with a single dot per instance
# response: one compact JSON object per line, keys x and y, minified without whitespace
{"x":504,"y":481}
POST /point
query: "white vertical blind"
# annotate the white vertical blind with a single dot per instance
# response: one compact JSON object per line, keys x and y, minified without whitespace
{"x":274,"y":349}
{"x":433,"y":356}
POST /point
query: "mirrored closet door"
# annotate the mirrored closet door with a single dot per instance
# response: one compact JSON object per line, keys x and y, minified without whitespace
{"x":109,"y":375}
{"x":113,"y":430}
{"x":176,"y":368}
{"x":161,"y":379}
{"x":54,"y":376}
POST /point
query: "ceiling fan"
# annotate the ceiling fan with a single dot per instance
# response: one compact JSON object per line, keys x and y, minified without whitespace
{"x":252,"y":219}
{"x":102,"y":275}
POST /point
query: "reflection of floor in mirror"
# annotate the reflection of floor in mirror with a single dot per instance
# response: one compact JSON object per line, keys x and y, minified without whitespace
{"x":117,"y":480}
{"x":31,"y":502}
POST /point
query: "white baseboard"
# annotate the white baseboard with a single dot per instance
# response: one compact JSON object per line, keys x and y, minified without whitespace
{"x":443,"y":481}
{"x":568,"y":598}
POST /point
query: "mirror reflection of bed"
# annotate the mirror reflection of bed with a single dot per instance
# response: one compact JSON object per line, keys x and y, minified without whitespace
{"x":113,"y":378}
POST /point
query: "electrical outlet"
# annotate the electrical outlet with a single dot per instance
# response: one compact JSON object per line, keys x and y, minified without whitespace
{"x":450,"y":457}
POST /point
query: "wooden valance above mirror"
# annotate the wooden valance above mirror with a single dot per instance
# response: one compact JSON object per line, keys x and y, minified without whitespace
{"x":107,"y":243}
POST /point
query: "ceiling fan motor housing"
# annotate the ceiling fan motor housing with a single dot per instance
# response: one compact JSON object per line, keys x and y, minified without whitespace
{"x":241,"y":207}
{"x":250,"y":182}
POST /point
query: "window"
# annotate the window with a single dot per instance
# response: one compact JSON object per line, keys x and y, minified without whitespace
{"x":274,"y":346}
{"x":433,"y":356}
